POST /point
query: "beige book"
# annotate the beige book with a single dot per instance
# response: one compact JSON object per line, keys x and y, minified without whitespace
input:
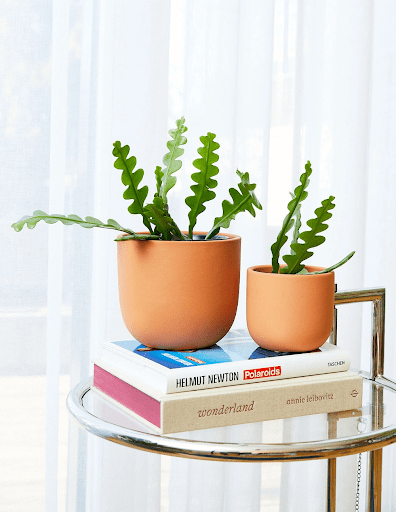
{"x":234,"y":405}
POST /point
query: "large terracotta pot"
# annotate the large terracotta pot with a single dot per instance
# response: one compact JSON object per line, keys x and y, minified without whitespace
{"x":289,"y":312}
{"x":179,"y":295}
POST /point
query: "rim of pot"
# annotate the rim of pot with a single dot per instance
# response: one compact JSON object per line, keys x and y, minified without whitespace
{"x":267,"y":269}
{"x":198,"y":236}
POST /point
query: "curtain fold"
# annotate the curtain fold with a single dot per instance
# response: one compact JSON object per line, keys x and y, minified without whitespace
{"x":279,"y":82}
{"x":57,"y":172}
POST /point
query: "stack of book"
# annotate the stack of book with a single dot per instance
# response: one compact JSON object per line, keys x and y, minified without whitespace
{"x":230,"y":383}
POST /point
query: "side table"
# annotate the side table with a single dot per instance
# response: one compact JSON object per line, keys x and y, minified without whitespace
{"x":378,"y":414}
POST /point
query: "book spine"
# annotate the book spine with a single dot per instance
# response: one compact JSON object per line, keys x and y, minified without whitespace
{"x":256,"y":370}
{"x":219,"y":410}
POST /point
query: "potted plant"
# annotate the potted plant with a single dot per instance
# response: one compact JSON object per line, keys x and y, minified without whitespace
{"x":290,"y":307}
{"x":178,"y":289}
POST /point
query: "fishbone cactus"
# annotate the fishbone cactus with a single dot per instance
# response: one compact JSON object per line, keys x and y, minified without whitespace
{"x":302,"y":243}
{"x":156,"y":215}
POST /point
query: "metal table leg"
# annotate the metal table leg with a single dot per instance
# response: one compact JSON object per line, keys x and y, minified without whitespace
{"x":332,"y":419}
{"x":377,"y":297}
{"x":331,"y":484}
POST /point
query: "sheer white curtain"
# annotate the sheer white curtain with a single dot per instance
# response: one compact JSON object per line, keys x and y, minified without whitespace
{"x":279,"y":82}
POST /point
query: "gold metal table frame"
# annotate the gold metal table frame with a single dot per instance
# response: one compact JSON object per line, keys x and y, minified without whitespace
{"x":371,"y":441}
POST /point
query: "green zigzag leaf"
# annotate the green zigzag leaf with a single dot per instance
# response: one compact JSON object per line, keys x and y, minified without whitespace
{"x":203,"y":179}
{"x":163,"y":222}
{"x":170,"y":159}
{"x":299,"y":195}
{"x":89,"y":222}
{"x":311,"y":238}
{"x":242,"y":200}
{"x":131,"y":180}
{"x":158,"y":178}
{"x":297,"y":224}
{"x":328,"y":269}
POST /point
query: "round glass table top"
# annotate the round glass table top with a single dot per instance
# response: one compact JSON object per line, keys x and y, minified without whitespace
{"x":317,"y":436}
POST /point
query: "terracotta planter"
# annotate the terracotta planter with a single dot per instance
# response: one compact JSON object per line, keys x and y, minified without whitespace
{"x":286,"y":312}
{"x":179,"y":295}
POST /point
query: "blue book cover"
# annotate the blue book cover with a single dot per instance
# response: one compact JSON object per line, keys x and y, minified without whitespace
{"x":226,"y":350}
{"x":236,"y":359}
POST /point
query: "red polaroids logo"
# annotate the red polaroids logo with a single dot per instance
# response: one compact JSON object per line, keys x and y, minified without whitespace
{"x":259,"y":373}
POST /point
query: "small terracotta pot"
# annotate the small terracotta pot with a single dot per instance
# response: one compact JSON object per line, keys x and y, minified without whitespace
{"x":179,"y":295}
{"x":289,"y":312}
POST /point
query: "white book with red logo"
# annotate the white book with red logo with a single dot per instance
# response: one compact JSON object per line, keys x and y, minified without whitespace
{"x":234,"y":360}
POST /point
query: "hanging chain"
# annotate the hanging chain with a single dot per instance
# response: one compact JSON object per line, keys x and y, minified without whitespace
{"x":358,"y":478}
{"x":361,"y":426}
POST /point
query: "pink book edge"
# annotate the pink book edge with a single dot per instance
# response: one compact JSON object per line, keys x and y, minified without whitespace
{"x":135,"y":400}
